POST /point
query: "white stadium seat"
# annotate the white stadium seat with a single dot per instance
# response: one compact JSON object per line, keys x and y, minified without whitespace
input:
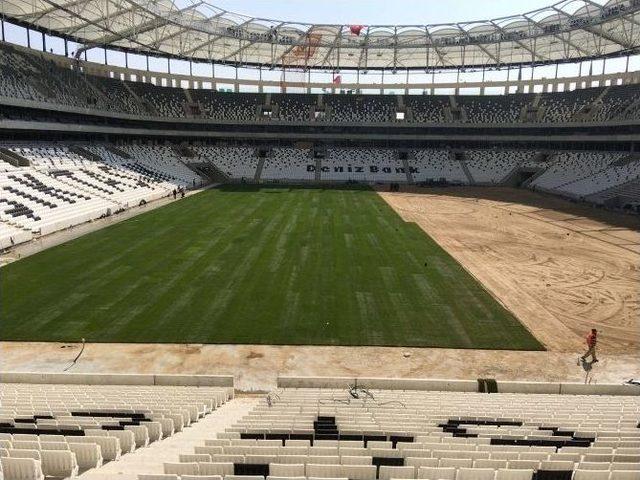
{"x":21,"y":469}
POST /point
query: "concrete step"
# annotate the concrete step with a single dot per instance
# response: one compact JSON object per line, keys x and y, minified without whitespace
{"x":152,"y":458}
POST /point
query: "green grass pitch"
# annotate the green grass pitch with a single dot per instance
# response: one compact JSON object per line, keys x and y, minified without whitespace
{"x":248,"y":265}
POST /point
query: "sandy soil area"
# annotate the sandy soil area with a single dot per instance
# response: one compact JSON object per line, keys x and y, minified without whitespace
{"x":561,"y":268}
{"x":256,"y":367}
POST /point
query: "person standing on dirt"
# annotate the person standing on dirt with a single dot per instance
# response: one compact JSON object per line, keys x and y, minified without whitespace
{"x":592,"y":341}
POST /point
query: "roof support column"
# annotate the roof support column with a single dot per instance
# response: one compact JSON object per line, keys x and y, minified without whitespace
{"x":532,"y":84}
{"x":236,"y":87}
{"x":406,"y":83}
{"x":260,"y":87}
{"x":580,"y":71}
{"x":482,"y":86}
{"x":2,"y":28}
{"x":44,"y":42}
{"x":382,"y":83}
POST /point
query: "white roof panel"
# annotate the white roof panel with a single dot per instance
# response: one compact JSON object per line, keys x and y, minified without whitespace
{"x":566,"y":31}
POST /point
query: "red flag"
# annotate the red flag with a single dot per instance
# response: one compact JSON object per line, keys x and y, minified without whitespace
{"x":337,"y":79}
{"x":356,"y":29}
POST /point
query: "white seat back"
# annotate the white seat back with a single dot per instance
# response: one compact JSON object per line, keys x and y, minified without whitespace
{"x":59,"y":463}
{"x":625,"y":475}
{"x":508,"y":474}
{"x":21,"y":469}
{"x":437,"y":473}
{"x":286,"y":470}
{"x":476,"y":474}
{"x":209,"y":468}
{"x":388,"y":472}
{"x":158,"y":476}
{"x":88,"y":455}
{"x":181,"y":468}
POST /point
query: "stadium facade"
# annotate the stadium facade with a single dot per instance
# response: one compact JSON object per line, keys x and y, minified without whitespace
{"x":263,"y":276}
{"x":575,"y":136}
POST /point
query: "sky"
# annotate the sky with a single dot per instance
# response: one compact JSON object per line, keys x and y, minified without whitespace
{"x":381,"y":12}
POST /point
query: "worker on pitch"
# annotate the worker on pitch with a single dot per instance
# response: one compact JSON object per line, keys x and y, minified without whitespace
{"x":592,"y":341}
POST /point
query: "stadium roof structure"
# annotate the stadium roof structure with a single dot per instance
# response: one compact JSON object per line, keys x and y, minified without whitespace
{"x":197,"y":30}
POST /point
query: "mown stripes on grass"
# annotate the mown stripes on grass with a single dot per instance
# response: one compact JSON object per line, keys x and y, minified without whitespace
{"x":257,"y":265}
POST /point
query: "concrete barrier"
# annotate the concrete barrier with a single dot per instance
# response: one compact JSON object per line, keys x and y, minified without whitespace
{"x":379,"y":383}
{"x":195,"y":380}
{"x":77,"y":378}
{"x":599,"y":389}
{"x":118,"y":379}
{"x":528,"y":387}
{"x":444,"y":385}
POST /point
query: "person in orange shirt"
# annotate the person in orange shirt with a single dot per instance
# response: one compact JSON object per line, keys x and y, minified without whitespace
{"x":592,"y":341}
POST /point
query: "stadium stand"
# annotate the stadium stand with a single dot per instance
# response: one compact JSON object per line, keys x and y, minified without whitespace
{"x":362,"y":164}
{"x":293,"y":107}
{"x":289,"y":164}
{"x":492,"y":167}
{"x":226,"y":106}
{"x":236,"y":162}
{"x":57,"y":431}
{"x":69,"y":184}
{"x":66,"y":185}
{"x":387,"y":434}
{"x":493,"y":109}
{"x":626,"y":195}
{"x":121,"y":97}
{"x":14,"y":69}
{"x":568,"y":167}
{"x":437,"y":165}
{"x":614,"y":174}
{"x":619,"y":103}
{"x":562,"y":107}
{"x":361,"y":108}
{"x":164,"y":162}
{"x":71,"y":87}
{"x":428,"y":108}
{"x":164,"y":101}
{"x":26,"y":75}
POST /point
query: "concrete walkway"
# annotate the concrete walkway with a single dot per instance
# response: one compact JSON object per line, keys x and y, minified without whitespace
{"x":151,"y":458}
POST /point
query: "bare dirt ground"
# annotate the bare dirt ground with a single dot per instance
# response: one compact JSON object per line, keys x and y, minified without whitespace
{"x":561,"y":268}
{"x":256,"y":367}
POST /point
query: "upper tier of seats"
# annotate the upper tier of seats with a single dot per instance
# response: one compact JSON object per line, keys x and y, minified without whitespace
{"x":385,"y":434}
{"x":27,"y":76}
{"x":58,"y":431}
